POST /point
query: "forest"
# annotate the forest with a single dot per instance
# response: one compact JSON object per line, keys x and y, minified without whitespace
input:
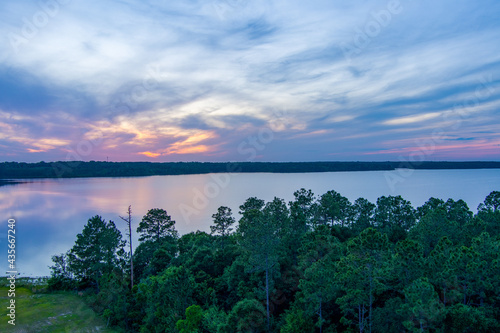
{"x":75,"y":169}
{"x":314,"y":264}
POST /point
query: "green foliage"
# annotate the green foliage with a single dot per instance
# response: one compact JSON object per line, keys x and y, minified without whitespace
{"x":467,"y":319}
{"x":248,"y":316}
{"x":314,"y":265}
{"x":155,"y":225}
{"x":430,"y":205}
{"x":143,"y":256}
{"x":97,"y":251}
{"x":387,"y":319}
{"x":259,"y":234}
{"x":334,"y":208}
{"x":296,"y":321}
{"x":408,"y":262}
{"x":214,"y":320}
{"x":194,"y":315}
{"x":302,"y":210}
{"x":61,"y":277}
{"x":316,"y":245}
{"x":112,"y":300}
{"x":458,"y":212}
{"x":166,"y":297}
{"x":422,"y":310}
{"x":318,"y":288}
{"x":441,"y":271}
{"x":491,"y":202}
{"x":163,"y":254}
{"x":394,"y":216}
{"x":488,"y":217}
{"x":361,"y":276}
{"x":260,"y":231}
{"x":223,"y":220}
{"x":432,"y":227}
{"x":363,"y":214}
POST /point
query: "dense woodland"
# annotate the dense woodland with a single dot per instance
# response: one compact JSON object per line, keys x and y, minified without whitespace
{"x":315,"y":264}
{"x":73,"y":169}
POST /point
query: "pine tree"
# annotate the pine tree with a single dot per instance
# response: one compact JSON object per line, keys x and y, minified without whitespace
{"x":155,"y":225}
{"x":223,"y":220}
{"x":97,"y":250}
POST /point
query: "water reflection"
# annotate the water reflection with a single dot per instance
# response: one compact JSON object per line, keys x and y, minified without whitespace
{"x":50,"y":213}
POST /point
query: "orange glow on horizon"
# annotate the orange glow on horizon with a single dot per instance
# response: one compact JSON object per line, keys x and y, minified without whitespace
{"x":149,"y":154}
{"x":188,"y":145}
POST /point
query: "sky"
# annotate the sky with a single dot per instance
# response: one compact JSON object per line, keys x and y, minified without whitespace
{"x":240,"y":80}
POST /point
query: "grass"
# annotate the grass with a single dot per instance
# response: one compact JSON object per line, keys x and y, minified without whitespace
{"x":40,"y":312}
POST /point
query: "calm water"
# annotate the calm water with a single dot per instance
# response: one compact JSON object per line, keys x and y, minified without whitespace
{"x":50,"y":213}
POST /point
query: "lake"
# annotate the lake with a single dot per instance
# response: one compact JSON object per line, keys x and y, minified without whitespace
{"x":49,"y":213}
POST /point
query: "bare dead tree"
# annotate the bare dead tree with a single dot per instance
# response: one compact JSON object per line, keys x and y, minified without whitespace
{"x":128,"y":220}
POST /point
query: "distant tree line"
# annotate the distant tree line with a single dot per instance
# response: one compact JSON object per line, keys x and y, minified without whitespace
{"x":74,"y":169}
{"x":315,"y":264}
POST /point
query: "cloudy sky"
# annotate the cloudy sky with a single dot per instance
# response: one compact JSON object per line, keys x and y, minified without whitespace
{"x":241,"y":80}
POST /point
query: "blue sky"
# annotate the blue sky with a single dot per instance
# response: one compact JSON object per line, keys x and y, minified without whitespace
{"x":237,"y":80}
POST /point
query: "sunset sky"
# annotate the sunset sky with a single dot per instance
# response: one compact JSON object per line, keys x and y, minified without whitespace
{"x":242,"y":80}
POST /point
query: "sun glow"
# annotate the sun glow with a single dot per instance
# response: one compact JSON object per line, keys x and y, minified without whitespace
{"x":149,"y":154}
{"x":187,"y":144}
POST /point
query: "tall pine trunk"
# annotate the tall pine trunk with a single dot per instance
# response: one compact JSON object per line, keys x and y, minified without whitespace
{"x":129,"y":222}
{"x":267,"y":292}
{"x":320,"y":316}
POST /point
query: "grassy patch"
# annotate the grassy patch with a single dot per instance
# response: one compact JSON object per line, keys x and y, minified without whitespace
{"x":49,"y":312}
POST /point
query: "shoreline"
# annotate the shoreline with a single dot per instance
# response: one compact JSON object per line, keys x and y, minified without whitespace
{"x":11,"y":171}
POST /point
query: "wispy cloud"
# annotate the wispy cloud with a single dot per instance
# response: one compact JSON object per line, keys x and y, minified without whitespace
{"x":412,"y":119}
{"x":153,"y":78}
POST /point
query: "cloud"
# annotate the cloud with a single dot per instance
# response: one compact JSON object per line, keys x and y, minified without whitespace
{"x":412,"y":119}
{"x":150,"y":154}
{"x":144,"y":80}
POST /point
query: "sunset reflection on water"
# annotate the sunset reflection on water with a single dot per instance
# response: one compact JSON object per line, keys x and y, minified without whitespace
{"x":51,"y":212}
